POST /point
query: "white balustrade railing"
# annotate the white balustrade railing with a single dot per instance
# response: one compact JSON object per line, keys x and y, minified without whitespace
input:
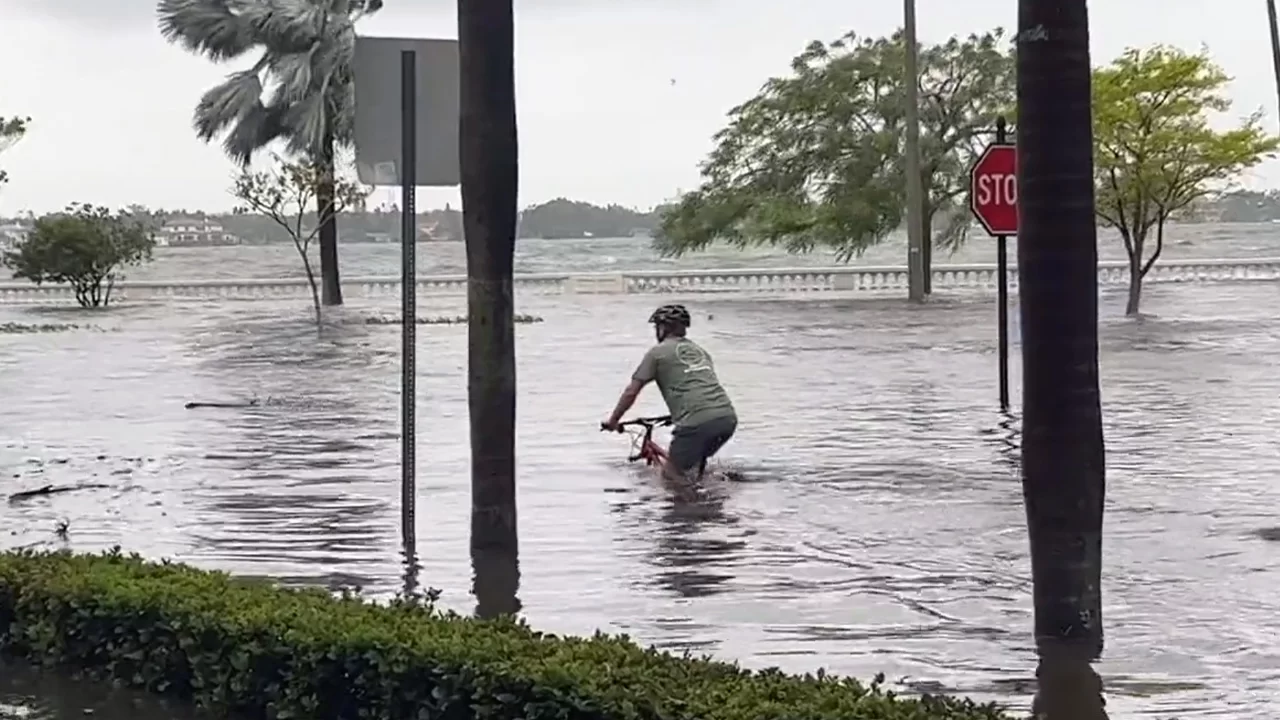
{"x":842,"y":279}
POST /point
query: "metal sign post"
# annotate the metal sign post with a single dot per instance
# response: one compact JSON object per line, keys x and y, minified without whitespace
{"x":993,"y":199}
{"x":420,"y":149}
{"x":408,"y":295}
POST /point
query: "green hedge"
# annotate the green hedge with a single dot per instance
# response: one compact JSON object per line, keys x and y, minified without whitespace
{"x":264,"y":652}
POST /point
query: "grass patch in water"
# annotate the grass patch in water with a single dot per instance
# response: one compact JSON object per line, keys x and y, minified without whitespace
{"x":520,"y":319}
{"x":251,"y":649}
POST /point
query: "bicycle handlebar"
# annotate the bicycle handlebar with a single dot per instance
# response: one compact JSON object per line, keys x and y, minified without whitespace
{"x":646,"y":422}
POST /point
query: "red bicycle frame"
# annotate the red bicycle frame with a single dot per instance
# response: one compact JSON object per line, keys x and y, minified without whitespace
{"x":653,"y":454}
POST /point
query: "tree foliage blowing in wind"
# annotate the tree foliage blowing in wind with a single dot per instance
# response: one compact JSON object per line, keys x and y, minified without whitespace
{"x":1155,"y":152}
{"x":815,"y":160}
{"x":298,"y":90}
{"x":11,"y":131}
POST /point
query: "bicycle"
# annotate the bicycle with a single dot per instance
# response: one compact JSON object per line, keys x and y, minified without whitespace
{"x":653,"y":454}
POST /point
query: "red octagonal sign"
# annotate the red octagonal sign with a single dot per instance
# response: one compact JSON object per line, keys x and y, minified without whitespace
{"x":993,"y":189}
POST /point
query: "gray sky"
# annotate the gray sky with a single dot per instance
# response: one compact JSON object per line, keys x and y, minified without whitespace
{"x":600,"y":119}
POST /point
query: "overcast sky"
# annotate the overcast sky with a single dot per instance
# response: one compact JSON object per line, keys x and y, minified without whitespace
{"x":600,"y":118}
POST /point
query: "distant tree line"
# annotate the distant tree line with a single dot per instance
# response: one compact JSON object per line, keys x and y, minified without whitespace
{"x":561,"y":218}
{"x":554,"y":220}
{"x":1243,"y":206}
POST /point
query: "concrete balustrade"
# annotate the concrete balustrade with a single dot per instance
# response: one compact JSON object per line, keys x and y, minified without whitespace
{"x":842,"y":279}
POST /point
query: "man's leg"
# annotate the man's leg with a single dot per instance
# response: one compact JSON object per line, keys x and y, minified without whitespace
{"x":691,"y":447}
{"x":684,"y":454}
{"x":717,"y":433}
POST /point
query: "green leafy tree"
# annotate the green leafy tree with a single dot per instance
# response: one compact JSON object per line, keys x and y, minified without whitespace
{"x":815,"y":159}
{"x":85,"y":247}
{"x":298,"y":90}
{"x":282,"y":195}
{"x":11,"y":131}
{"x":1155,"y":152}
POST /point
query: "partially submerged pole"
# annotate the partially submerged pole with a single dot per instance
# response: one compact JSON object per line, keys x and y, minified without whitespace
{"x":915,"y":189}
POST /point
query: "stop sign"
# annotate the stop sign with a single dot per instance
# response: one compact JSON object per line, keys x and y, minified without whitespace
{"x":993,"y":189}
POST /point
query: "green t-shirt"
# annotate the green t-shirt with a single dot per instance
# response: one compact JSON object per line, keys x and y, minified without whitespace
{"x":687,"y":379}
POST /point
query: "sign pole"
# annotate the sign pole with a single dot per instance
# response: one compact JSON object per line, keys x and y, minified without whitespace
{"x":408,"y":297}
{"x":993,"y":199}
{"x":1002,"y":281}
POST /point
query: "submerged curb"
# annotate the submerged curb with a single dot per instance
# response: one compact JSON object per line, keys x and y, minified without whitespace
{"x":260,"y":651}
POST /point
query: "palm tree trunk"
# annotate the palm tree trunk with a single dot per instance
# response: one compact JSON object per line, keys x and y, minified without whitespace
{"x":1063,"y":470}
{"x":488,"y":154}
{"x":330,"y":282}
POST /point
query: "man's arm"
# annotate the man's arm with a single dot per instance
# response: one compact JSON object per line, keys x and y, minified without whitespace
{"x":643,"y":375}
{"x":625,"y":402}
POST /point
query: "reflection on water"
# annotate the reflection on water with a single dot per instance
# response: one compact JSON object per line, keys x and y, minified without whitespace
{"x":28,"y":694}
{"x":295,"y":468}
{"x":1068,"y":688}
{"x":1007,"y":439}
{"x":683,"y":519}
{"x":882,"y":529}
{"x":495,"y":582}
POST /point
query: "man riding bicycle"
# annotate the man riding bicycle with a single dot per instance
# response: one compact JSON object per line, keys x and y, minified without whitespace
{"x":703,"y":416}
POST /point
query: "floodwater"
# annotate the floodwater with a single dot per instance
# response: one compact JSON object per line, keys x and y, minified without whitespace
{"x":29,"y":695}
{"x":879,"y":527}
{"x":616,"y":255}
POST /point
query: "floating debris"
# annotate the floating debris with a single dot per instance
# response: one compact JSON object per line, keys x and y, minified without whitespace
{"x":244,"y":404}
{"x":13,"y":328}
{"x":52,"y":490}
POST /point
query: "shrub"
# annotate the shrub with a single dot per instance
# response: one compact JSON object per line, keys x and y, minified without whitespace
{"x":265,"y":652}
{"x":85,"y":247}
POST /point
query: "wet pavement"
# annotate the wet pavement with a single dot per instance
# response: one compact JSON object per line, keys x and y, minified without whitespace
{"x":879,"y":527}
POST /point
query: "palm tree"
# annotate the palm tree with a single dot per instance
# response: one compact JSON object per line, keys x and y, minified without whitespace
{"x":1063,"y":469}
{"x":488,"y":155}
{"x":299,"y":90}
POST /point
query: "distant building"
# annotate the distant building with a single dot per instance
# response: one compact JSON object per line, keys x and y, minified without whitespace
{"x":12,"y":233}
{"x":187,"y":231}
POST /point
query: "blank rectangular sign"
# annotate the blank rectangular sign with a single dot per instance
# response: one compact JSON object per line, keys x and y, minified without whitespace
{"x":377,"y":122}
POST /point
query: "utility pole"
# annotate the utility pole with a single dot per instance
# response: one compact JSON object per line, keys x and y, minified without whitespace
{"x":915,"y":189}
{"x":1275,"y":45}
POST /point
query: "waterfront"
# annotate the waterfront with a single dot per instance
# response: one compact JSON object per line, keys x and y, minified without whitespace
{"x":881,"y":528}
{"x":622,"y":254}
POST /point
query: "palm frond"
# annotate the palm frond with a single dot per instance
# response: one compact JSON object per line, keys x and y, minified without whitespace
{"x":307,"y":48}
{"x":306,"y":122}
{"x":225,"y":103}
{"x":212,"y":28}
{"x":287,"y":25}
{"x":293,"y":75}
{"x":256,"y":128}
{"x":360,"y":8}
{"x":343,"y":122}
